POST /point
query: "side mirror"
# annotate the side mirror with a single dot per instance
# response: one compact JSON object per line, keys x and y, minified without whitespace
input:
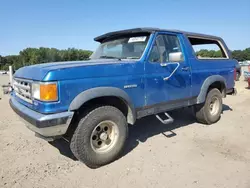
{"x":175,"y":57}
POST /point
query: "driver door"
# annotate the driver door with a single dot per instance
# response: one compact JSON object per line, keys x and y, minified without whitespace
{"x":166,"y":81}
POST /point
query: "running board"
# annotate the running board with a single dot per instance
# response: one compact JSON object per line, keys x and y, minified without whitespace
{"x":168,"y":120}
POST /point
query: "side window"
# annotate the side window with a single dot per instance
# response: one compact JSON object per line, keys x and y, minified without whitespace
{"x":207,"y":48}
{"x":163,"y":46}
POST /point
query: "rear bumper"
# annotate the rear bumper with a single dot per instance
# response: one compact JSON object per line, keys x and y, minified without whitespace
{"x":47,"y":125}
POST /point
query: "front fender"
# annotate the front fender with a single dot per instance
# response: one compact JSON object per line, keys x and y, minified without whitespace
{"x":93,"y":93}
{"x":204,"y":88}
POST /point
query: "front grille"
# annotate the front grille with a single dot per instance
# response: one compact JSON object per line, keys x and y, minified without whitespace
{"x":22,"y":89}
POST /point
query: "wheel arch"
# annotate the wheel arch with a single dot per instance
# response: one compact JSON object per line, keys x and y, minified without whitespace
{"x":109,"y":96}
{"x":215,"y":81}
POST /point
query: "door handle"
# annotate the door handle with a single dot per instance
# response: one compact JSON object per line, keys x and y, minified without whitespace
{"x":185,"y":68}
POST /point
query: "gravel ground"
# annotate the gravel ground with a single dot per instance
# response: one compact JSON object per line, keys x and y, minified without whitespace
{"x":182,"y":154}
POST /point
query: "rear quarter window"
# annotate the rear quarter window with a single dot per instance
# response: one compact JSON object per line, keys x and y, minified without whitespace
{"x":208,"y":48}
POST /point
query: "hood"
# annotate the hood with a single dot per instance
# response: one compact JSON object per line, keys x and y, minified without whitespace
{"x":73,"y":70}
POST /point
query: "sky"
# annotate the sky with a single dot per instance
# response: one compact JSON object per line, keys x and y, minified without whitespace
{"x":64,"y":24}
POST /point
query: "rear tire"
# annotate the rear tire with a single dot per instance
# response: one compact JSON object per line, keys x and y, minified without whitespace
{"x":237,"y":76}
{"x":210,"y":111}
{"x":100,"y":136}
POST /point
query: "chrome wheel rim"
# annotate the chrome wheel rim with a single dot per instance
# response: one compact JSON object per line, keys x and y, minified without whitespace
{"x":104,"y":136}
{"x":214,"y":105}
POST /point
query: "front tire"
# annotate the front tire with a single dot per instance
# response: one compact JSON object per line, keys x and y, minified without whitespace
{"x":210,"y":111}
{"x":100,"y":136}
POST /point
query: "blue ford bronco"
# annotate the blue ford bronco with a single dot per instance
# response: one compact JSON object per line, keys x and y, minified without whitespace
{"x":132,"y":74}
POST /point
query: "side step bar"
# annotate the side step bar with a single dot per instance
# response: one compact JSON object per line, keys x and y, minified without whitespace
{"x":168,"y":119}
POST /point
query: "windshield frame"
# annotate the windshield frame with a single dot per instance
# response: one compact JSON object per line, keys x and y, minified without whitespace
{"x":147,"y":41}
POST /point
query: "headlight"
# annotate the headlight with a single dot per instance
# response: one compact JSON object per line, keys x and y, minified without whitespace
{"x":45,"y":91}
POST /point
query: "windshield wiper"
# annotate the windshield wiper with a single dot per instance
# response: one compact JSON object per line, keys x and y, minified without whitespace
{"x":130,"y":58}
{"x":110,"y":57}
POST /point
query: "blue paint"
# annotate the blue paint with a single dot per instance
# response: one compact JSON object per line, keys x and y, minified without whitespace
{"x":177,"y":87}
{"x":76,"y":77}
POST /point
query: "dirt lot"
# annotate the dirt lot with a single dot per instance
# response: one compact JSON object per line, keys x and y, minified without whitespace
{"x":183,"y":154}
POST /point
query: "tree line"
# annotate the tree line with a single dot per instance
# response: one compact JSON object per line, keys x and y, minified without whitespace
{"x":240,"y":55}
{"x":32,"y":56}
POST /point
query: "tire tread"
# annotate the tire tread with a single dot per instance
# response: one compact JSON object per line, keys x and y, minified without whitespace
{"x":201,"y":112}
{"x":78,"y":142}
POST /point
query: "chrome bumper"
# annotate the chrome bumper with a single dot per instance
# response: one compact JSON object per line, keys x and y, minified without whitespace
{"x":47,"y":125}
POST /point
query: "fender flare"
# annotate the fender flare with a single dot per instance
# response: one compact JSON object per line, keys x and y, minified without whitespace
{"x":204,"y":88}
{"x":93,"y":93}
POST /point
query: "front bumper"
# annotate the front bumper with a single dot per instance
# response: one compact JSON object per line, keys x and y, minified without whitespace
{"x":47,"y":125}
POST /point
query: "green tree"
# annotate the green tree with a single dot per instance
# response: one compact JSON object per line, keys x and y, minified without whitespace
{"x":32,"y":56}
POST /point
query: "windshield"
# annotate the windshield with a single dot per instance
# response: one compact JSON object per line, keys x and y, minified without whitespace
{"x":122,"y":48}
